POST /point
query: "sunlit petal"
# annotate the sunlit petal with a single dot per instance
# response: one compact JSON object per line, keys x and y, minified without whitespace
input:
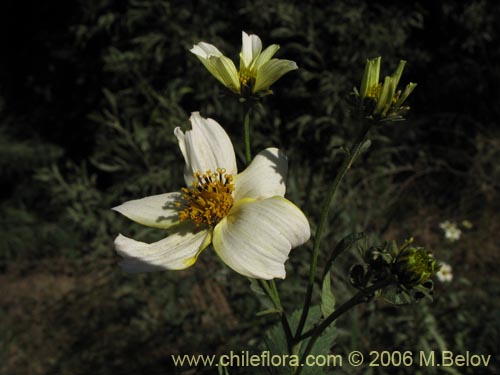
{"x":157,"y":211}
{"x":226,"y":72}
{"x":251,"y":47}
{"x":206,"y":147}
{"x":264,"y":178}
{"x":271,"y":71}
{"x":257,"y":236}
{"x":265,"y":56}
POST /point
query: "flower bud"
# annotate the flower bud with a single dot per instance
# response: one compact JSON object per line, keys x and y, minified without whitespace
{"x":414,"y":266}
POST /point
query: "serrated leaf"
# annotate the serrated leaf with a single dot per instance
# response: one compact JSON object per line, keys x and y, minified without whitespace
{"x":276,"y":341}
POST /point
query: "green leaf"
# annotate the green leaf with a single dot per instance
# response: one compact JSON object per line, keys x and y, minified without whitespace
{"x":263,"y":298}
{"x":256,"y":288}
{"x":327,"y":297}
{"x":268,"y":311}
{"x":364,"y":147}
{"x":276,"y":341}
{"x":396,"y":295}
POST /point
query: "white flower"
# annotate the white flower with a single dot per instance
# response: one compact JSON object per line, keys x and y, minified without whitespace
{"x":257,"y":72}
{"x":445,"y":273}
{"x":451,"y":231}
{"x":245,"y":216}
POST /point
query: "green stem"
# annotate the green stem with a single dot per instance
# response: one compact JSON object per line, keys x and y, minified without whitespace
{"x":272,"y":292}
{"x":346,"y":164}
{"x":316,"y":332}
{"x":265,"y":286}
{"x":246,"y":130}
{"x":283,"y":318}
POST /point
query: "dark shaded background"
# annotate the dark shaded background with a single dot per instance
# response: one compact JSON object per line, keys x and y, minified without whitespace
{"x":90,"y":92}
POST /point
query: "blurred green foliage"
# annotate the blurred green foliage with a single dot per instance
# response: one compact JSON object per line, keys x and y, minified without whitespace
{"x":90,"y":94}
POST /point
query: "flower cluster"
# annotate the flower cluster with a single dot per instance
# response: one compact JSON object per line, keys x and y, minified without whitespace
{"x":405,"y":272}
{"x":257,"y":70}
{"x":220,"y":207}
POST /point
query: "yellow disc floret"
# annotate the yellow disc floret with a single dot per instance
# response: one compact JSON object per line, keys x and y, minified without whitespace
{"x":374,"y":92}
{"x":247,"y":81}
{"x":209,"y":199}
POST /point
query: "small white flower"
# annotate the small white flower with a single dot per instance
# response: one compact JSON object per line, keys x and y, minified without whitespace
{"x":445,"y":273}
{"x":451,"y":231}
{"x":245,"y":216}
{"x":257,"y":72}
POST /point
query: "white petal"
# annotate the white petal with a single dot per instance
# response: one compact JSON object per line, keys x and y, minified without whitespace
{"x":271,"y":71}
{"x":206,"y":147}
{"x":266,"y":55}
{"x":157,"y":211}
{"x":176,"y":252}
{"x":264,"y":177}
{"x":218,"y":65}
{"x":257,"y":236}
{"x":251,"y":46}
{"x":205,"y":50}
{"x":226,"y":72}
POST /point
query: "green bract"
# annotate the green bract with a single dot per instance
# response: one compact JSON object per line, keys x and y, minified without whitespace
{"x":257,"y":71}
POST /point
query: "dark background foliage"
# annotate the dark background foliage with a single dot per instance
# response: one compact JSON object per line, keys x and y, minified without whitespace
{"x":90,"y":93}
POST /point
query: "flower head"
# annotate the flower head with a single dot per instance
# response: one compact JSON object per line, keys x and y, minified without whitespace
{"x":257,"y":70}
{"x":414,"y":266}
{"x":245,"y":216}
{"x":445,"y":273}
{"x":382,"y":100}
{"x":451,"y":231}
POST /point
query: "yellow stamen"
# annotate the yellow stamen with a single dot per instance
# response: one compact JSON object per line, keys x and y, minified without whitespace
{"x":374,"y":92}
{"x":246,"y":77}
{"x":244,"y":80}
{"x":209,"y":199}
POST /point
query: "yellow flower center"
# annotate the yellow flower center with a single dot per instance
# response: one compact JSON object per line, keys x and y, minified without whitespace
{"x":374,"y":92}
{"x":246,"y":77}
{"x":209,"y":199}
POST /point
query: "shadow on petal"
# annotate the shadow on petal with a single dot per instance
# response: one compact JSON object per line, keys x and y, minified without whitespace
{"x":277,"y":163}
{"x":177,"y":251}
{"x":170,"y":206}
